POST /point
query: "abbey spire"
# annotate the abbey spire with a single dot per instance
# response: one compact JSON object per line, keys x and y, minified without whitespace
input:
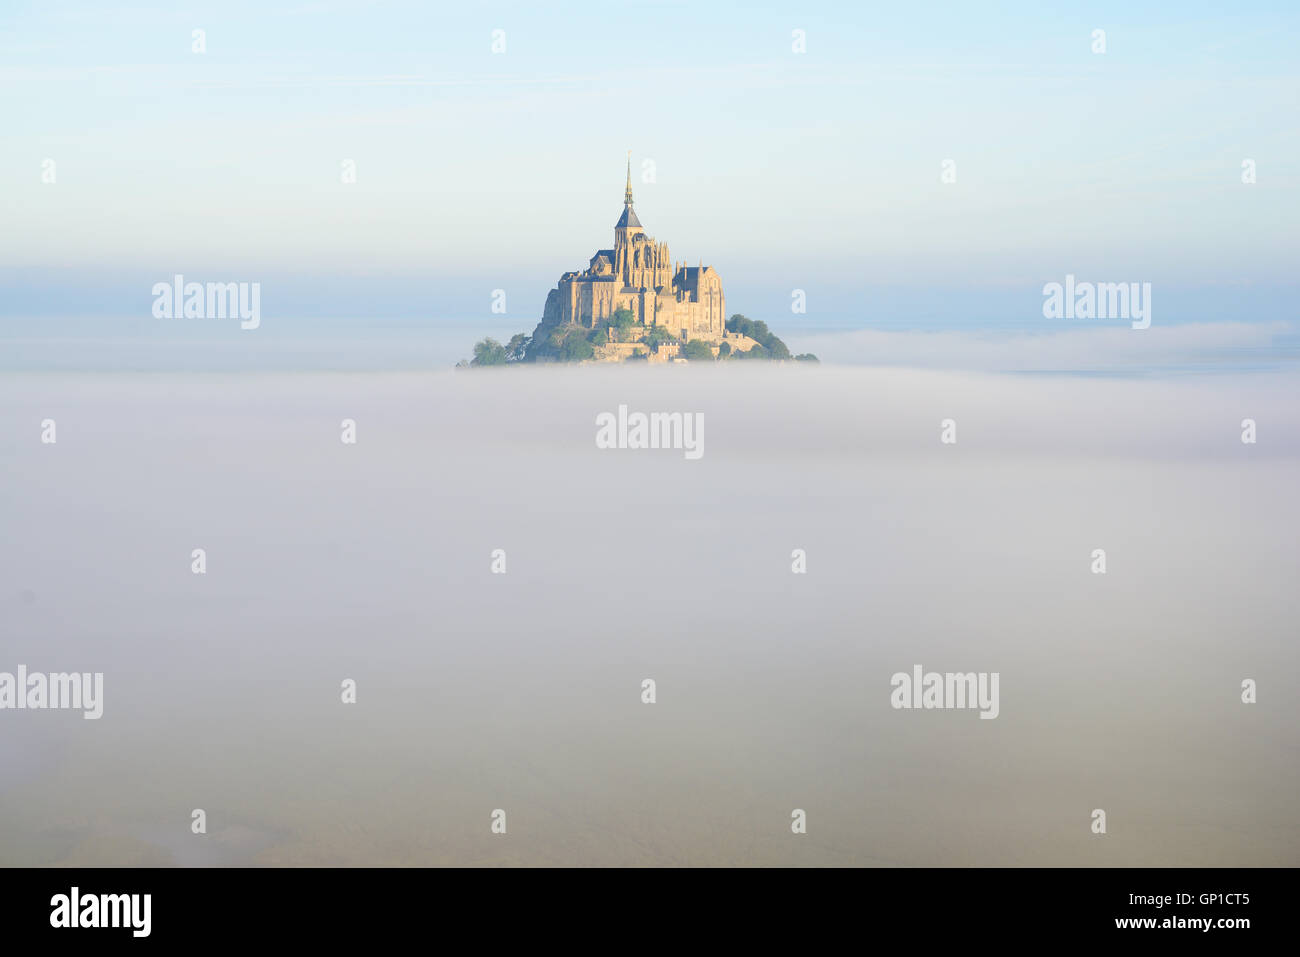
{"x":628,"y":225}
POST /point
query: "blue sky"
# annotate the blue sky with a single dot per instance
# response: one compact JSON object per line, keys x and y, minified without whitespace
{"x":819,"y":171}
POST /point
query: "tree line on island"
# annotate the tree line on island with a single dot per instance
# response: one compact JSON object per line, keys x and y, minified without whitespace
{"x":573,"y":343}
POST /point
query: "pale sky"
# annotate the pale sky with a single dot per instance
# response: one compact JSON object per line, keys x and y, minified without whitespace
{"x":817,"y":170}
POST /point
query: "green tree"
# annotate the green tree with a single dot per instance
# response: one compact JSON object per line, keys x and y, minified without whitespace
{"x":775,"y":348}
{"x":575,"y":347}
{"x":756,"y":329}
{"x":697,"y":350}
{"x":517,"y":347}
{"x":562,"y":343}
{"x":724,"y":350}
{"x":623,"y":322}
{"x":657,"y":335}
{"x":489,"y":352}
{"x":806,"y":357}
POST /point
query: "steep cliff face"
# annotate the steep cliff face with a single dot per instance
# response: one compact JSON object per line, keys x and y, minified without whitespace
{"x":550,"y":313}
{"x":545,"y":337}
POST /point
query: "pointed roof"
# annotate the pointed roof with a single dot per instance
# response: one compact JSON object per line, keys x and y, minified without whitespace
{"x":628,"y":219}
{"x":629,"y":215}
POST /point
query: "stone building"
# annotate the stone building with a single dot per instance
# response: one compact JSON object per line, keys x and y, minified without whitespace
{"x":638,"y":274}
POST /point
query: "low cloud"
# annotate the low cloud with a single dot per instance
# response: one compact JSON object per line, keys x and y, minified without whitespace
{"x":1073,"y":350}
{"x":374,"y":562}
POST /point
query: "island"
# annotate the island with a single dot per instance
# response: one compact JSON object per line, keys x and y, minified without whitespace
{"x":633,"y":303}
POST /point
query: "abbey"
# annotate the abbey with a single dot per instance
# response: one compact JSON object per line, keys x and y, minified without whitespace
{"x":638,"y":275}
